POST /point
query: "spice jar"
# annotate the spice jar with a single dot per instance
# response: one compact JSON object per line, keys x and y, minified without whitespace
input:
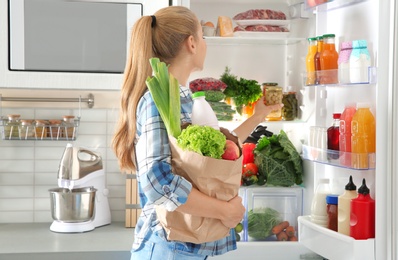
{"x":68,"y":126}
{"x":11,"y":126}
{"x":41,"y":129}
{"x":26,"y":129}
{"x":290,"y":106}
{"x":331,"y":209}
{"x":273,"y":95}
{"x":54,"y":129}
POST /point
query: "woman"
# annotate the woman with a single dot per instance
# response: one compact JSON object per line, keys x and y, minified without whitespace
{"x":174,"y":35}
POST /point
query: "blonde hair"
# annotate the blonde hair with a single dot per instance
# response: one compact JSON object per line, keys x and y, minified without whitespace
{"x":173,"y":25}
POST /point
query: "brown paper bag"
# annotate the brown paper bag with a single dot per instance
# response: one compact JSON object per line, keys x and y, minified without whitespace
{"x":215,"y":177}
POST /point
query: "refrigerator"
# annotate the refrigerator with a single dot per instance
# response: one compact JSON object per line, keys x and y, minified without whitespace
{"x":273,"y":57}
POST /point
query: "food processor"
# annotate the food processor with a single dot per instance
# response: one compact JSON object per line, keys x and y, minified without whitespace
{"x":80,"y":203}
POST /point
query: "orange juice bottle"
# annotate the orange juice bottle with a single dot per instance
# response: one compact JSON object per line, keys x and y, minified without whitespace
{"x":317,"y":59}
{"x":310,"y":61}
{"x":363,"y":139}
{"x":329,"y":60}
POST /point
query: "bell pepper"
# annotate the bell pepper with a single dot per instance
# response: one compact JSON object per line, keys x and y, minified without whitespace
{"x":247,"y":151}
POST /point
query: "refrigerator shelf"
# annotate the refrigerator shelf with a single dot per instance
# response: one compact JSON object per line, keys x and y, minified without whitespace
{"x":333,"y":245}
{"x":265,"y":38}
{"x":332,"y":157}
{"x":332,"y":5}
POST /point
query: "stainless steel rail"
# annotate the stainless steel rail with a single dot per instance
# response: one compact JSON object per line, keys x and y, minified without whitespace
{"x":89,"y":100}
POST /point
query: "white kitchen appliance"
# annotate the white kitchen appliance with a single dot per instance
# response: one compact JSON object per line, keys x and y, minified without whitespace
{"x":80,"y":203}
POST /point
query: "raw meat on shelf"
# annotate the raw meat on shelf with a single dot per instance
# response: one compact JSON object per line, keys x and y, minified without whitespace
{"x":260,"y":14}
{"x":260,"y":28}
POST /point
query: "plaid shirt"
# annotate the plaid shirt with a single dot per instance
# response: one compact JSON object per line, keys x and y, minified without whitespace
{"x":157,"y":185}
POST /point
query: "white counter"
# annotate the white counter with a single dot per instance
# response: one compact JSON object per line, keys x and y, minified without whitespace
{"x":35,"y":241}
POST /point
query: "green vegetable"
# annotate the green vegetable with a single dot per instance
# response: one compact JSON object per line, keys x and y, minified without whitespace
{"x":165,"y":91}
{"x":214,"y":95}
{"x":278,"y":161}
{"x":242,"y":91}
{"x":260,"y":222}
{"x":204,"y":140}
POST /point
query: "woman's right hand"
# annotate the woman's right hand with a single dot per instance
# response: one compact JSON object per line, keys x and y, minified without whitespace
{"x":234,"y":212}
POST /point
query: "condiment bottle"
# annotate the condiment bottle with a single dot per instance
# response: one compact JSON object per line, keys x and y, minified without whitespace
{"x":317,"y":60}
{"x":41,"y":129}
{"x":11,"y":127}
{"x":344,"y":62}
{"x":69,"y":126}
{"x":273,"y":95}
{"x":318,"y":205}
{"x":362,"y":218}
{"x":331,"y":210}
{"x":345,"y":134}
{"x":329,"y":57}
{"x":26,"y":129}
{"x":310,"y":61}
{"x":359,"y":62}
{"x":55,"y":129}
{"x":363,"y":140}
{"x":333,"y":137}
{"x":290,"y":106}
{"x":202,"y":113}
{"x":344,"y":207}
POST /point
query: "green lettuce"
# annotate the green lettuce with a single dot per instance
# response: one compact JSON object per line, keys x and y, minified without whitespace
{"x":204,"y":140}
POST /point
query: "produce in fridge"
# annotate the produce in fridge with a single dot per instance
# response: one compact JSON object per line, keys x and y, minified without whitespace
{"x":260,"y":222}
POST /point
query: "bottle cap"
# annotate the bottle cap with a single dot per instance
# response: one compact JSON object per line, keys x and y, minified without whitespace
{"x":359,"y":44}
{"x":329,"y":35}
{"x":198,"y":94}
{"x":364,"y":190}
{"x":350,"y":185}
{"x":332,"y":199}
{"x":320,"y":37}
{"x":312,"y":39}
{"x":346,"y":45}
{"x":336,"y":115}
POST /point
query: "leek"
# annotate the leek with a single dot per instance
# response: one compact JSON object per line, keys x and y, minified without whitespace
{"x":165,"y":91}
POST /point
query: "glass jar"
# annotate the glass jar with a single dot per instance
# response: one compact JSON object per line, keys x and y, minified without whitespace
{"x":68,"y":126}
{"x":290,"y":106}
{"x":273,"y":95}
{"x":26,"y":129}
{"x":11,"y":127}
{"x":41,"y":129}
{"x":54,"y":129}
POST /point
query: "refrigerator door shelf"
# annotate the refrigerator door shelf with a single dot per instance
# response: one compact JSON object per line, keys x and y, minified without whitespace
{"x":331,"y":244}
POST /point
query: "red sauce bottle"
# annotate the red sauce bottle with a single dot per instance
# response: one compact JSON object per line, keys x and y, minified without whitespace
{"x":362,"y":217}
{"x":333,"y":133}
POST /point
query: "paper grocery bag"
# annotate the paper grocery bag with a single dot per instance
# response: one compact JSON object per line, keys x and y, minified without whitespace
{"x":215,"y":177}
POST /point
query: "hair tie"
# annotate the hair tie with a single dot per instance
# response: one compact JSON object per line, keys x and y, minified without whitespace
{"x":153,"y":21}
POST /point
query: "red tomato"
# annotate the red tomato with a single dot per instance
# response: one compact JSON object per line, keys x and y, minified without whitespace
{"x":247,"y":151}
{"x":249,"y":169}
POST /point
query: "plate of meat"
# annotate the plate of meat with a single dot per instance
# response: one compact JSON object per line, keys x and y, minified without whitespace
{"x":262,"y":22}
{"x":260,"y":14}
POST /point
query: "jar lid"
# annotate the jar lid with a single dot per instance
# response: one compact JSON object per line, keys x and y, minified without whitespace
{"x":68,"y":116}
{"x":54,"y":122}
{"x":40,"y":122}
{"x":332,"y":199}
{"x":270,"y":84}
{"x":198,"y":94}
{"x":13,"y":116}
{"x":26,"y":122}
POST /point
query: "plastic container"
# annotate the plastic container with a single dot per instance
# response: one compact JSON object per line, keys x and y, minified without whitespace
{"x":317,"y":59}
{"x":26,"y":129}
{"x":318,"y":206}
{"x":202,"y":113}
{"x":344,"y":208}
{"x":345,"y":134}
{"x":331,"y":210}
{"x":329,"y":58}
{"x":273,"y":95}
{"x":359,"y":62}
{"x":344,"y":62}
{"x":11,"y":127}
{"x":310,"y":61}
{"x":363,"y":141}
{"x":362,"y":217}
{"x":334,"y":136}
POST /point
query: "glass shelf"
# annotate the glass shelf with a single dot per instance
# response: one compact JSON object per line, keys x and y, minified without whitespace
{"x":331,"y":5}
{"x":271,"y":39}
{"x":340,"y":159}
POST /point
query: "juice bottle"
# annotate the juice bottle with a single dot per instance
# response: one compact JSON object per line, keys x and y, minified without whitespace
{"x":363,"y":139}
{"x":333,"y":137}
{"x":310,"y":61}
{"x":344,"y":208}
{"x":362,"y":218}
{"x":329,"y":60}
{"x":345,"y":134}
{"x":317,"y":59}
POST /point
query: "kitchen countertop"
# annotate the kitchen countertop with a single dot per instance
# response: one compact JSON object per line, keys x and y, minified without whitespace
{"x":35,"y":239}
